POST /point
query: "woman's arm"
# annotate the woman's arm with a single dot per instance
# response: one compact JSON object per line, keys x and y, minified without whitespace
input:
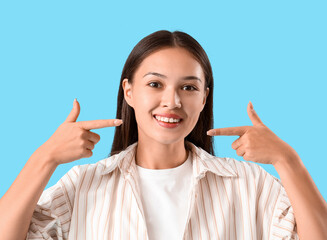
{"x":310,"y":208}
{"x":259,"y":144}
{"x":71,"y":141}
{"x":18,"y":203}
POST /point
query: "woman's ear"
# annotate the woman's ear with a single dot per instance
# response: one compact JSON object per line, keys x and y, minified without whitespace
{"x":206,"y":95}
{"x":127,"y":88}
{"x":205,"y":98}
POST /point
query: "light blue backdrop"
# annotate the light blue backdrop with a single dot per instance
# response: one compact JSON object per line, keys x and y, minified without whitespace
{"x":272,"y":53}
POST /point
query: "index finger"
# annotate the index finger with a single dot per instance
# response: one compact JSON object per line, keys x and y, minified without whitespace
{"x":101,"y":123}
{"x":229,"y":131}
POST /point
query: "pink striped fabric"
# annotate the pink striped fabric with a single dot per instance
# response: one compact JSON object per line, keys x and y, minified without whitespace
{"x":230,"y":200}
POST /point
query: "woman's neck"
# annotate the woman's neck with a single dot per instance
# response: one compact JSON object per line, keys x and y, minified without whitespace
{"x":154,"y":155}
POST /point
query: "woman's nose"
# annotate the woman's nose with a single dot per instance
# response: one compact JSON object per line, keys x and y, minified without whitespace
{"x":171,"y":99}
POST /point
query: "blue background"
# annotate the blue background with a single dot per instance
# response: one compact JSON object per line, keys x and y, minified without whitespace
{"x":270,"y":52}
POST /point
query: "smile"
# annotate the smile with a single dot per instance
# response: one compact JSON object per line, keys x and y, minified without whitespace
{"x":167,"y":122}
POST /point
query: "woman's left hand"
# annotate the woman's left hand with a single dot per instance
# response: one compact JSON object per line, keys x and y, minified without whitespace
{"x":256,"y":143}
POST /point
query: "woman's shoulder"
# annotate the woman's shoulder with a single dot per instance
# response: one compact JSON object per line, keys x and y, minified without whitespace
{"x":227,"y":166}
{"x":253,"y":172}
{"x":98,"y":167}
{"x":104,"y":165}
{"x":246,"y":168}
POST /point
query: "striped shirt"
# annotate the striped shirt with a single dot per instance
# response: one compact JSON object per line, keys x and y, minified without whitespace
{"x":230,"y":199}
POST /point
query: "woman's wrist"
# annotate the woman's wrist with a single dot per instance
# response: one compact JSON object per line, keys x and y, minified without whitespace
{"x":44,"y":157}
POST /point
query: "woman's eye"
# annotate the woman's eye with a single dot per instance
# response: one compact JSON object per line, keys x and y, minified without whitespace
{"x":153,"y":84}
{"x":190,"y":87}
{"x":186,"y":87}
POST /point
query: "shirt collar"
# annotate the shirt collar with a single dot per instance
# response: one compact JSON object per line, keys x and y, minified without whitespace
{"x":202,"y":162}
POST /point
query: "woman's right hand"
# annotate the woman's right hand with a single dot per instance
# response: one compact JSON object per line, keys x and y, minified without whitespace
{"x":74,"y":140}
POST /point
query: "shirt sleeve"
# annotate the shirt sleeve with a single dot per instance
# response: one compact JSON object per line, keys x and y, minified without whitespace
{"x":52,"y":214}
{"x":283,"y":222}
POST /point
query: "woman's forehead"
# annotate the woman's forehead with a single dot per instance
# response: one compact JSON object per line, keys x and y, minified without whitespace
{"x":170,"y":62}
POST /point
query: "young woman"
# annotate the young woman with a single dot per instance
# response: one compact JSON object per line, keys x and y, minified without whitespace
{"x":162,"y":180}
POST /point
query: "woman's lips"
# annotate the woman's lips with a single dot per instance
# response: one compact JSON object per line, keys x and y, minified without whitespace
{"x":168,"y":125}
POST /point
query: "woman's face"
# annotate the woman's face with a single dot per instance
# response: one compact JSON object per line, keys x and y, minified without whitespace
{"x":168,"y":81}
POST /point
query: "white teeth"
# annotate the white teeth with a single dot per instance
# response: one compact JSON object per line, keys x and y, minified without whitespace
{"x":164,"y":119}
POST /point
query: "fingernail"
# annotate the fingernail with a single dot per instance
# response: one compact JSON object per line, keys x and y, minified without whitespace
{"x":251,"y":105}
{"x":118,"y":122}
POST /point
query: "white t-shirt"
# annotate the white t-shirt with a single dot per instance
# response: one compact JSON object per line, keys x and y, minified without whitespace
{"x":165,"y":195}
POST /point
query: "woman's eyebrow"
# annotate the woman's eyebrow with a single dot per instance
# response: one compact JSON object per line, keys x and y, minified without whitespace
{"x":163,"y":76}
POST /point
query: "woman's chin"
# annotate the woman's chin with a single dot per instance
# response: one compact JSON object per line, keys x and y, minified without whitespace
{"x":166,"y":140}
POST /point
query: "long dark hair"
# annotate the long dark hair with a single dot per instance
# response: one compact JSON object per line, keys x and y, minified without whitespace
{"x":127,"y":133}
